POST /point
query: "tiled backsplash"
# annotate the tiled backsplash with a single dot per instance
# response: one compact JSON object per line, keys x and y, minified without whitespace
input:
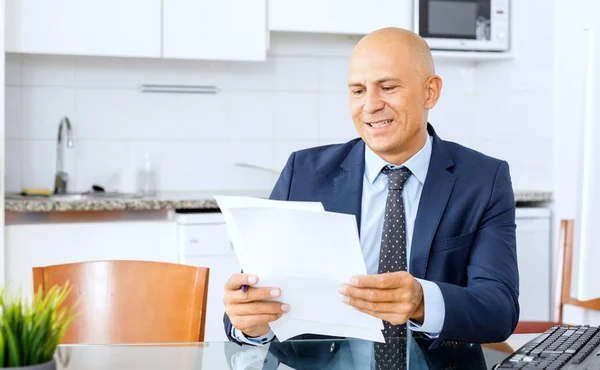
{"x":263,"y":111}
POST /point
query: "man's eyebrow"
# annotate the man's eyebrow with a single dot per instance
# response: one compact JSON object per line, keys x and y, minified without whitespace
{"x":378,"y":81}
{"x":387,"y":79}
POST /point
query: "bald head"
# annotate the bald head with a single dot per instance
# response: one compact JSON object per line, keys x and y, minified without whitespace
{"x":392,"y":86}
{"x":399,"y":43}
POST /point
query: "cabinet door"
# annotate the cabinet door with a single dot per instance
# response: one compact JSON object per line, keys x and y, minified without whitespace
{"x":33,"y":245}
{"x":533,"y":256}
{"x":130,"y":28}
{"x":339,"y":16}
{"x":217,"y":30}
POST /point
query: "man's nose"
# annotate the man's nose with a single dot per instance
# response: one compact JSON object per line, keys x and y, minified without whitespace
{"x":373,"y":103}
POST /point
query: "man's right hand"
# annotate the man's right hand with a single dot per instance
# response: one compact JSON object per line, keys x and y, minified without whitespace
{"x":248,"y":311}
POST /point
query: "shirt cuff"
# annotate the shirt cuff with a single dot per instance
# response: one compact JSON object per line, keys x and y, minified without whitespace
{"x":237,"y":334}
{"x":435,"y":310}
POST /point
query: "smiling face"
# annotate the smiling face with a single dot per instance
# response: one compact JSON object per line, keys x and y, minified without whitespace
{"x":392,"y":87}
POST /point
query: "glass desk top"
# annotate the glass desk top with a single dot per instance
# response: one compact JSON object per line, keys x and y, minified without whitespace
{"x":346,"y":354}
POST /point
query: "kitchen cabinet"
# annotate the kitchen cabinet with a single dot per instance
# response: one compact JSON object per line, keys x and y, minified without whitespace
{"x":534,"y":261}
{"x":29,"y":245}
{"x":129,"y":28}
{"x":339,"y":16}
{"x":181,"y":29}
{"x":215,"y":30}
{"x":203,"y":241}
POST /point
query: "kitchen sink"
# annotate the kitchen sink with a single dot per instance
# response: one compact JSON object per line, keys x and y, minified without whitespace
{"x":73,"y":196}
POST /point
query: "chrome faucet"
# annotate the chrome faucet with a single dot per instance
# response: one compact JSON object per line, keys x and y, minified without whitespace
{"x":62,"y":178}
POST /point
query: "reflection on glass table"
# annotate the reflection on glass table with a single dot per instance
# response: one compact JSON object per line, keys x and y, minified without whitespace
{"x":346,"y":354}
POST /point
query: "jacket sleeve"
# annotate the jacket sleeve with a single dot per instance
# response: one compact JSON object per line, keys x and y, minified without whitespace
{"x":281,"y":191}
{"x":487,"y":309}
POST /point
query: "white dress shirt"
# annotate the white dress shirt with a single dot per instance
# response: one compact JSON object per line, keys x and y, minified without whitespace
{"x":374,"y":195}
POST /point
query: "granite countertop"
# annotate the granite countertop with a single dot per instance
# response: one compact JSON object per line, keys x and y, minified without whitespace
{"x":527,"y":196}
{"x":166,"y":201}
{"x":161,"y":201}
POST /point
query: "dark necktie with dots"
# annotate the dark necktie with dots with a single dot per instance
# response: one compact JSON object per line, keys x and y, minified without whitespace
{"x":392,"y":257}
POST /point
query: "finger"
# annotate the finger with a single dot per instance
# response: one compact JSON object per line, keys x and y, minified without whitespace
{"x":251,"y":295}
{"x":244,"y":322}
{"x":374,"y":295}
{"x":388,"y":280}
{"x":381,"y":307}
{"x":257,"y":308}
{"x":236,"y":281}
{"x":392,"y":318}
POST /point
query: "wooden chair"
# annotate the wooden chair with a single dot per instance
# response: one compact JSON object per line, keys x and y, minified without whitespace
{"x":562,"y":293}
{"x":131,"y":301}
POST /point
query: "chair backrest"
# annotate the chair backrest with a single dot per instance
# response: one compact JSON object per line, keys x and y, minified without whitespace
{"x":131,"y":301}
{"x":564,"y":273}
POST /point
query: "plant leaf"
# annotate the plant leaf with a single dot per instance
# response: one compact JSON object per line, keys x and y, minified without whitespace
{"x":14,"y":358}
{"x":40,"y":333}
{"x":2,"y":349}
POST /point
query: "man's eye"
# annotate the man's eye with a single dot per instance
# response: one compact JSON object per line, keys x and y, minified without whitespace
{"x":357,"y":92}
{"x":388,"y":88}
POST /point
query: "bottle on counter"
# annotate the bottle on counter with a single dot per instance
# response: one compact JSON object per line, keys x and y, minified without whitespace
{"x":147,"y":177}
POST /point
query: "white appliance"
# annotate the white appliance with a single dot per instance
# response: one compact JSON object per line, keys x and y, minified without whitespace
{"x":475,"y":25}
{"x":534,"y":254}
{"x":203,"y":241}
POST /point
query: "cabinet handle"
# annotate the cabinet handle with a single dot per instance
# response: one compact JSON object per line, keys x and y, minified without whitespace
{"x":179,"y":89}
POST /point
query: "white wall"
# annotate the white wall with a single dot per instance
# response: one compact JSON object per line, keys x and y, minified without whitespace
{"x":296,"y":99}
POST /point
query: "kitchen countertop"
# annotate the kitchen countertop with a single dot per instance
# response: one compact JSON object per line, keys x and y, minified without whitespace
{"x":172,"y":201}
{"x":161,"y":201}
{"x":533,"y":196}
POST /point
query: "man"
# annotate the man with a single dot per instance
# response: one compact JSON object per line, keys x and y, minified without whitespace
{"x":436,"y":219}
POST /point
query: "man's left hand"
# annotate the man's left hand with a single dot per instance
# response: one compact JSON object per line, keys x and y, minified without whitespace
{"x":394,"y":297}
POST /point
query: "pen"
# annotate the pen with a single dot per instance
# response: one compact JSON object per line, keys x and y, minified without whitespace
{"x":251,"y":280}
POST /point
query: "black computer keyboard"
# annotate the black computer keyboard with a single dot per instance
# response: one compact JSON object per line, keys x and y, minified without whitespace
{"x":559,"y":347}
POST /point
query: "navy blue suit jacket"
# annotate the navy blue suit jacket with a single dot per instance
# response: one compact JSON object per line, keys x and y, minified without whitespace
{"x":464,"y":235}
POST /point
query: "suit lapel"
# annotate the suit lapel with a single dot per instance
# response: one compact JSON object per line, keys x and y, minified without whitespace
{"x":347,"y":184}
{"x":434,"y":198}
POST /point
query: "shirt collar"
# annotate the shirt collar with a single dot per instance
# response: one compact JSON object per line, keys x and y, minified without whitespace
{"x":418,"y":164}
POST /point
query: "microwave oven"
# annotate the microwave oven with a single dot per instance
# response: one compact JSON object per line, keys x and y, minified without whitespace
{"x":467,"y":25}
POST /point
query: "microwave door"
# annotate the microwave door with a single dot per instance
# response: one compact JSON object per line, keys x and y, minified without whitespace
{"x":459,"y":24}
{"x":452,"y":19}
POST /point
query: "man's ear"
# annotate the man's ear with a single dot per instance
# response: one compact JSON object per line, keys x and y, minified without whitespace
{"x":433,"y":89}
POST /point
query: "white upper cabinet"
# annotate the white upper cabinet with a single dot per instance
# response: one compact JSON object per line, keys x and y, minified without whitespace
{"x":215,"y":29}
{"x":339,"y":16}
{"x":129,"y":28}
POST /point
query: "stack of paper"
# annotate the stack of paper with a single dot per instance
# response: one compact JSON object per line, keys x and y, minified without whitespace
{"x":307,"y":253}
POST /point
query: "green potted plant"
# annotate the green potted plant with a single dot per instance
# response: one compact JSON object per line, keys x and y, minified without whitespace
{"x":31,"y":331}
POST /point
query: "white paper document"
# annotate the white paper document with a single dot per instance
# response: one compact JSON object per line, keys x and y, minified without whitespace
{"x":307,"y":253}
